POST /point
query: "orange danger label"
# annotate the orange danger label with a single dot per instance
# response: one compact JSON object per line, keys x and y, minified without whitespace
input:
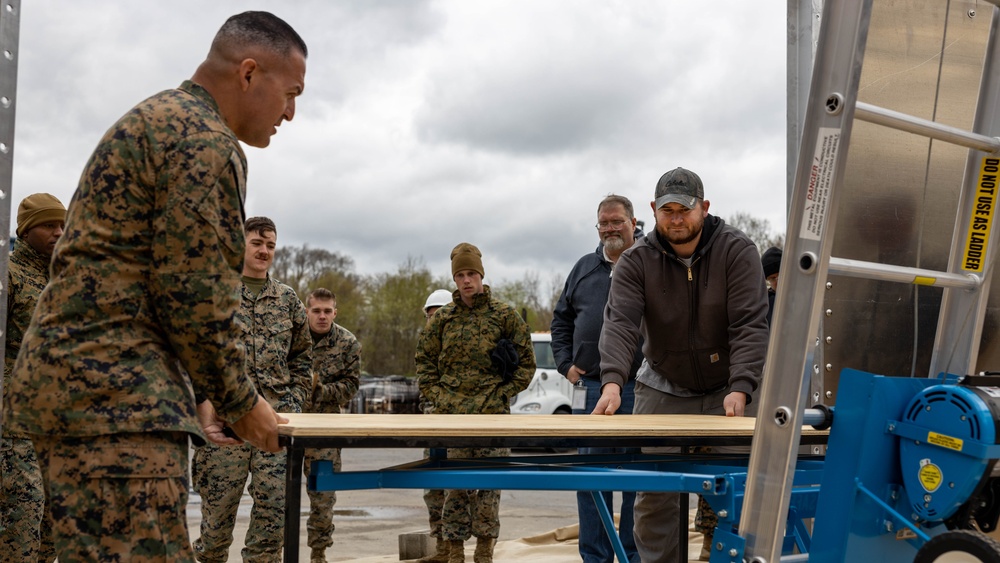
{"x":981,"y":218}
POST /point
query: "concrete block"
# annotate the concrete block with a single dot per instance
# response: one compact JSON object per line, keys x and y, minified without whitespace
{"x":417,"y":544}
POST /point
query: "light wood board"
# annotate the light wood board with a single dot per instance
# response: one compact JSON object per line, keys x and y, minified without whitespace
{"x":541,"y":426}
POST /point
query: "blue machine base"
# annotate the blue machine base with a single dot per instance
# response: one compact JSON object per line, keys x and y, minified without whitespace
{"x":721,"y":479}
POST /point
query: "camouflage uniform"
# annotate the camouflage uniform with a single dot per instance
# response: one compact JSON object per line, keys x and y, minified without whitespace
{"x":22,"y":495}
{"x":457,"y":376}
{"x":337,"y":370}
{"x":433,"y":498}
{"x":278,"y":361}
{"x":137,"y":317}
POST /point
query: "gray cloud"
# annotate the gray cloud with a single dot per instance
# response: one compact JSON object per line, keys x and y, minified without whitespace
{"x":426,"y":123}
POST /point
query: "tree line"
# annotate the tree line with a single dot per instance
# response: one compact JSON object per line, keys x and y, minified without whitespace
{"x":385,"y":311}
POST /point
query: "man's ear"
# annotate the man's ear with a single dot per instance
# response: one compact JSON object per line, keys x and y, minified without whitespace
{"x":247,"y":69}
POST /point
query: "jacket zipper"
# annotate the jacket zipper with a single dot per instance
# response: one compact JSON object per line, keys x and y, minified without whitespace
{"x":692,"y":291}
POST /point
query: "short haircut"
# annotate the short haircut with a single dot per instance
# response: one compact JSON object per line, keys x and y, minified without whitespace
{"x":259,"y":225}
{"x":259,"y":29}
{"x":614,"y":199}
{"x":322,"y":294}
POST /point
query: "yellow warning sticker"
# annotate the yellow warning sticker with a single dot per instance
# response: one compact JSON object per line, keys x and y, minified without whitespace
{"x":981,"y":218}
{"x":930,"y":477}
{"x":944,"y":441}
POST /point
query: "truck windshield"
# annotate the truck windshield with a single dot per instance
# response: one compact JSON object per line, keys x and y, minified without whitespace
{"x":543,"y":356}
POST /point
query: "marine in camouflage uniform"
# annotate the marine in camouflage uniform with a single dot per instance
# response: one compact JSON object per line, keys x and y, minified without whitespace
{"x":336,"y":375}
{"x":138,"y":315}
{"x":137,"y":286}
{"x":40,"y":221}
{"x":457,"y":376}
{"x":278,"y":362}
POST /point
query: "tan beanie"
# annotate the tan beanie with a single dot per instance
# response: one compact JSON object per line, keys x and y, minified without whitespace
{"x":466,"y":257}
{"x":37,"y":209}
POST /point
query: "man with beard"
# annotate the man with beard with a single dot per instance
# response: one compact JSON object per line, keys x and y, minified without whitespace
{"x":576,"y":328}
{"x":694,"y":291}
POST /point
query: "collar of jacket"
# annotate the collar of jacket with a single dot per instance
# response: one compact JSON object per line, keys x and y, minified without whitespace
{"x":199,"y":91}
{"x":328,"y":338}
{"x":27,"y":255}
{"x":270,"y":288}
{"x":479,"y":301}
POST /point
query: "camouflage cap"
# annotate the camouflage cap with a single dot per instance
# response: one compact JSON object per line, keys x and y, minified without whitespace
{"x":679,"y":186}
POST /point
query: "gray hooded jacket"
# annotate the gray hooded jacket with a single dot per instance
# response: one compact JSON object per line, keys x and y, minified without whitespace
{"x":704,"y":326}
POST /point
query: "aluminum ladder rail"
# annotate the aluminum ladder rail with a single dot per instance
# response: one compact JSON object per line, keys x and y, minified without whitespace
{"x":822,"y":157}
{"x":10,"y":22}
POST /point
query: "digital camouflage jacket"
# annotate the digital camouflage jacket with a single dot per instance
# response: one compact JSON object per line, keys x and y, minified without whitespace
{"x":336,"y":370}
{"x":278,"y":344}
{"x":140,"y":309}
{"x":454,"y":367}
{"x":27,"y":274}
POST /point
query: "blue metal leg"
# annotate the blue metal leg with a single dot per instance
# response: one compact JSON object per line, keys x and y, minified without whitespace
{"x":609,"y":526}
{"x":798,"y":530}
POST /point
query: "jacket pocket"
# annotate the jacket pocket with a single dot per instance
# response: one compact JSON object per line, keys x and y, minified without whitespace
{"x":677,"y":367}
{"x":701,"y":370}
{"x":713,"y":363}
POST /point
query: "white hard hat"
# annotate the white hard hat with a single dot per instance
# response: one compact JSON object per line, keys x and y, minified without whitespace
{"x":439,"y":298}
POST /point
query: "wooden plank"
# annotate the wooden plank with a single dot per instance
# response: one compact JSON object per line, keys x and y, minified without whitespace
{"x":530,"y":426}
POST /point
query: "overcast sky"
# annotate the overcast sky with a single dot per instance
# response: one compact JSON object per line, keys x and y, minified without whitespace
{"x":428,"y":123}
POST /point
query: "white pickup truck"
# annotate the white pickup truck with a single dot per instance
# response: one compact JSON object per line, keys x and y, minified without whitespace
{"x":549,"y":392}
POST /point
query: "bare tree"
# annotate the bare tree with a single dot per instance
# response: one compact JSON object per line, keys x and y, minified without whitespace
{"x":759,"y":230}
{"x":300,"y":266}
{"x":530,"y":298}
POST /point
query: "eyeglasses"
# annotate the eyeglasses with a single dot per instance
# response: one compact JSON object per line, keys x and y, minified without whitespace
{"x":605,"y":225}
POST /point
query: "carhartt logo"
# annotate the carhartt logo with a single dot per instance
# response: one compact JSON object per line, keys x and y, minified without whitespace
{"x":713,"y":358}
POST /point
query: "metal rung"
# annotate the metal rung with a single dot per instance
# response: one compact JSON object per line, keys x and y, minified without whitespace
{"x":901,"y":274}
{"x":927,"y":128}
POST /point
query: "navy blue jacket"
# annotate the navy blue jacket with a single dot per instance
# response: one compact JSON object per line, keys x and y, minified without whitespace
{"x":579,"y":316}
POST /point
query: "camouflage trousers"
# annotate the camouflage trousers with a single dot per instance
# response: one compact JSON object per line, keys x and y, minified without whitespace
{"x":22,"y":505}
{"x":119,"y":497}
{"x":219,"y":475}
{"x":319,"y":526}
{"x":468,"y":513}
{"x":705,"y":519}
{"x":434,"y":499}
